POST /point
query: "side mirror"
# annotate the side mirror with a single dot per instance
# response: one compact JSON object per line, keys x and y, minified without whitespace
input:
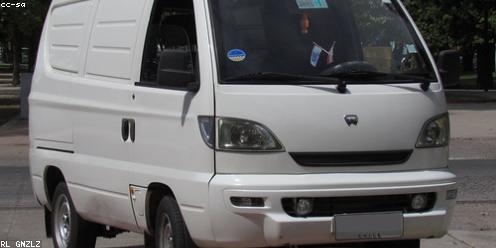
{"x":175,"y":69}
{"x":449,"y":67}
{"x":194,"y":86}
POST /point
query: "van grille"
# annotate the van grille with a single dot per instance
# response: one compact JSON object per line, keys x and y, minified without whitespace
{"x":330,"y":206}
{"x":351,"y":158}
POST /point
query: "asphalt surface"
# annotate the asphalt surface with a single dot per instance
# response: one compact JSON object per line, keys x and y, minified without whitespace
{"x":473,"y":131}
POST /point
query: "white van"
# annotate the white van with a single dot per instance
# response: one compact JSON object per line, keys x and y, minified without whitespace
{"x":239,"y":123}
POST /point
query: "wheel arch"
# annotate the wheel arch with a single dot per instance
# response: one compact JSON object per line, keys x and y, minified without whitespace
{"x":51,"y":178}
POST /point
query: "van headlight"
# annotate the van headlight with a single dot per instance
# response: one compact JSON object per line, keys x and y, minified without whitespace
{"x":435,"y":133}
{"x":244,"y":135}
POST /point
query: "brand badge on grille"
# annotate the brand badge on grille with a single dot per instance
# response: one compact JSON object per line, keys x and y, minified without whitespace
{"x":351,"y":120}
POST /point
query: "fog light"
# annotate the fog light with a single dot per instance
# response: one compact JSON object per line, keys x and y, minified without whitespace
{"x":247,"y":201}
{"x":303,"y":206}
{"x":419,"y":202}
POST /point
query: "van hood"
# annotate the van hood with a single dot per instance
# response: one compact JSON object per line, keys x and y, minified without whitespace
{"x":312,"y":119}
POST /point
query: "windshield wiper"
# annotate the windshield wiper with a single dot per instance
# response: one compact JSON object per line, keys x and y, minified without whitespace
{"x":360,"y":75}
{"x":275,"y":77}
{"x":341,"y":79}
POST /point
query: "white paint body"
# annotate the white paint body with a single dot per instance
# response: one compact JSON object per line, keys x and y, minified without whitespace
{"x":89,"y":59}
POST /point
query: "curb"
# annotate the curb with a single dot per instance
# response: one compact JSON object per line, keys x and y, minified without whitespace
{"x":470,"y":90}
{"x":470,"y":95}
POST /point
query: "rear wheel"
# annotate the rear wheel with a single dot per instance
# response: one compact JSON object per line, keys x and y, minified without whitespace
{"x":68,"y":228}
{"x":170,"y":229}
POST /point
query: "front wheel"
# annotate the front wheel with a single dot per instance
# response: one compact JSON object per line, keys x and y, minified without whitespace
{"x":68,"y":228}
{"x":170,"y":229}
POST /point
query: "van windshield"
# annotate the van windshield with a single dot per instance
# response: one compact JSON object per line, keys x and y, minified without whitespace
{"x":315,"y":38}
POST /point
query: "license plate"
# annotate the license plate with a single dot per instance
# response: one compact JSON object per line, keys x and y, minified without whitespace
{"x":375,"y":226}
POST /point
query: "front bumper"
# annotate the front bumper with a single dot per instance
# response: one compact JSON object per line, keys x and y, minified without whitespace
{"x":271,"y":226}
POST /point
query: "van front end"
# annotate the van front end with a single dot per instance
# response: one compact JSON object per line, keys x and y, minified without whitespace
{"x":277,"y":210}
{"x":330,"y":125}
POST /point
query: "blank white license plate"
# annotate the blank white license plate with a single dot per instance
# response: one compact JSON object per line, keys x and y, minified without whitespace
{"x":371,"y":226}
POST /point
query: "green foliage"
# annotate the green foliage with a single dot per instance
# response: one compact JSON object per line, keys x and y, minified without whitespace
{"x":27,"y":20}
{"x":20,"y":23}
{"x":448,"y":24}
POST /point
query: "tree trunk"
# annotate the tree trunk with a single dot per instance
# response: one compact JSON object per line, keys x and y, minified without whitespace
{"x":35,"y":38}
{"x":492,"y":56}
{"x":33,"y":48}
{"x":16,"y":56}
{"x":468,"y":60}
{"x":9,"y":54}
{"x":485,"y":60}
{"x":5,"y":54}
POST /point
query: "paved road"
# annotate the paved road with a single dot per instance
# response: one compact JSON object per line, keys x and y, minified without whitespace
{"x":474,"y":223}
{"x":473,"y":131}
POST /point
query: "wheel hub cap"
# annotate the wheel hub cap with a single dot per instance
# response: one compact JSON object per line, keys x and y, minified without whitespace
{"x":166,"y":234}
{"x":62,"y":221}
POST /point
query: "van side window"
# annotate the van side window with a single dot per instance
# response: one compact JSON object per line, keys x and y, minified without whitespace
{"x":170,"y":53}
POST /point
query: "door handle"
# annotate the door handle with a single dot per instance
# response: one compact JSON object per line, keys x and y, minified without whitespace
{"x":128,"y":130}
{"x":132,"y":132}
{"x":125,"y":129}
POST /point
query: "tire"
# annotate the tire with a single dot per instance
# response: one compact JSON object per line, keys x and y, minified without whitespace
{"x":149,"y":240}
{"x":170,"y":229}
{"x":69,"y":230}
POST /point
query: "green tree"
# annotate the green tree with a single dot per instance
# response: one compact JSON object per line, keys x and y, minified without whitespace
{"x":447,"y":24}
{"x":20,"y":26}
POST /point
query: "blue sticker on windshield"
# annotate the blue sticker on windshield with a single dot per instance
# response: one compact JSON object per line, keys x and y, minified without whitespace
{"x":236,"y":55}
{"x":312,"y":4}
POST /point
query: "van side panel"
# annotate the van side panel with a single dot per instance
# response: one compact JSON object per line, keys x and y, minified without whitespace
{"x":59,"y":63}
{"x":88,"y":96}
{"x":68,"y":31}
{"x":113,"y":39}
{"x":99,"y":172}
